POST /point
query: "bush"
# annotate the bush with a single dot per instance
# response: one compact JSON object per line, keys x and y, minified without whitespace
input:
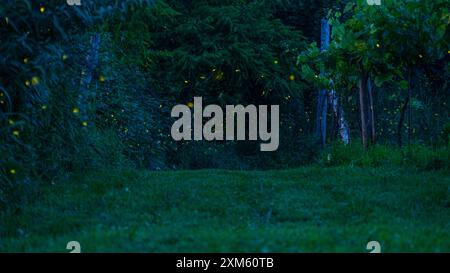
{"x":446,"y":134}
{"x":244,"y":155}
{"x":415,"y":156}
{"x":227,"y":52}
{"x":42,"y":134}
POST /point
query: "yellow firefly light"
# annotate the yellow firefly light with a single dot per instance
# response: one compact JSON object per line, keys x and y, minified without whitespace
{"x":42,"y":9}
{"x":35,"y":80}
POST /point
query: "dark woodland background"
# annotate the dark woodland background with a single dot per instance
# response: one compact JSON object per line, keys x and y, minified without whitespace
{"x":91,"y":87}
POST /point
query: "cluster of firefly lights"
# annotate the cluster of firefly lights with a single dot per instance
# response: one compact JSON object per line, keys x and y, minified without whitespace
{"x":35,"y":81}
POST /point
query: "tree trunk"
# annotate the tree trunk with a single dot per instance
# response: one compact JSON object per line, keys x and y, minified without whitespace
{"x":372,"y":129}
{"x":322,"y":105}
{"x":339,"y":117}
{"x":400,"y":122}
{"x":322,"y":101}
{"x":321,"y":121}
{"x":364,"y":108}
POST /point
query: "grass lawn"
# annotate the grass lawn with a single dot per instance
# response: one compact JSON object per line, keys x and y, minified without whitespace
{"x":311,"y":209}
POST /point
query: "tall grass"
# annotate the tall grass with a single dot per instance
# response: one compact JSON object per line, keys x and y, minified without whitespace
{"x":413,"y":156}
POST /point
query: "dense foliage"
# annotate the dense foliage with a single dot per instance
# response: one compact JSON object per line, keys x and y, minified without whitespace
{"x":64,"y":111}
{"x":400,"y":46}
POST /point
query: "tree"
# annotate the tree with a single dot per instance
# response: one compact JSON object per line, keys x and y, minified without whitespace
{"x":382,"y":43}
{"x":230,"y":51}
{"x":37,"y":130}
{"x":326,"y":97}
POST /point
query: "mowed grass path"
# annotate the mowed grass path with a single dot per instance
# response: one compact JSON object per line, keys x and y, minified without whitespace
{"x":311,"y":209}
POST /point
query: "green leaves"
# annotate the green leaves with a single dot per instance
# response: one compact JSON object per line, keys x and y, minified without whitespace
{"x":380,"y":79}
{"x":349,"y":7}
{"x":307,"y":72}
{"x":404,"y":84}
{"x":255,"y":53}
{"x":386,"y":39}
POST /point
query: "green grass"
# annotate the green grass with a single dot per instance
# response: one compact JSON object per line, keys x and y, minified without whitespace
{"x":311,"y":209}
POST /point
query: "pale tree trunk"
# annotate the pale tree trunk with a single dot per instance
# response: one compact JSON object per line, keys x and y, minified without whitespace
{"x":333,"y":100}
{"x":322,"y":105}
{"x":321,"y":121}
{"x":343,"y":129}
